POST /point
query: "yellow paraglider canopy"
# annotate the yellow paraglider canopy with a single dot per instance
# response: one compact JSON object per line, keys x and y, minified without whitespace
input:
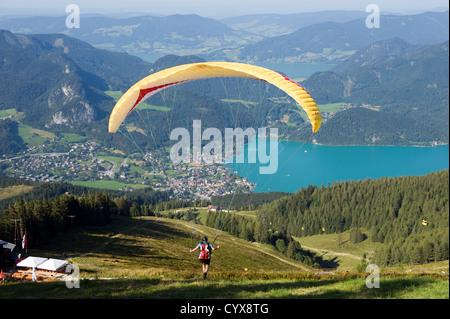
{"x":194,"y":71}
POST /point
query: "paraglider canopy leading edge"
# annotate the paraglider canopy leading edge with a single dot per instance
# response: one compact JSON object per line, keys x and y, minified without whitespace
{"x":195,"y":71}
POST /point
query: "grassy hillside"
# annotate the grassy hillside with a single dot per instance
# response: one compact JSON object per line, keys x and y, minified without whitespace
{"x":14,"y":190}
{"x":149,"y":257}
{"x":339,"y":249}
{"x":147,"y":246}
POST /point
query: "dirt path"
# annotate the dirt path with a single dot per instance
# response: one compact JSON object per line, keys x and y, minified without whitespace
{"x":293,"y":263}
{"x":324,"y":251}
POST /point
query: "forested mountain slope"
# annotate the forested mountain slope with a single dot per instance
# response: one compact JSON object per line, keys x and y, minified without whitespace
{"x":409,"y":215}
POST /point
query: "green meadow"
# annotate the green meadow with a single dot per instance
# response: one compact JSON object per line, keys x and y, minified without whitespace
{"x":148,"y":257}
{"x":107,"y":184}
{"x":34,"y":137}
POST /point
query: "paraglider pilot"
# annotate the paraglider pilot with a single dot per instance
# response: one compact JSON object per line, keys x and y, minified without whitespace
{"x":204,"y":255}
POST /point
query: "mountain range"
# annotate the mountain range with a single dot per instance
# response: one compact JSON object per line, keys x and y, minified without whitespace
{"x":406,"y":87}
{"x":145,"y":36}
{"x":270,"y":25}
{"x":333,"y":42}
{"x":62,"y":83}
{"x":319,"y":37}
{"x":58,"y":80}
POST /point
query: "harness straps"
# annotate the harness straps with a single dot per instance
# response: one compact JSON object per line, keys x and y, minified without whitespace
{"x":204,"y":251}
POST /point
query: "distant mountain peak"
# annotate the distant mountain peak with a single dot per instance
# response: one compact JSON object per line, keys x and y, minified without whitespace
{"x":172,"y":60}
{"x":56,"y":80}
{"x":382,"y":50}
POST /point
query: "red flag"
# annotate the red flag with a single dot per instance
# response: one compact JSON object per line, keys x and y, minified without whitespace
{"x":24,"y":241}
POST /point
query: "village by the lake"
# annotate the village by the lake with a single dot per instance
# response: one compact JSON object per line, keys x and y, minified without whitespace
{"x":90,"y":164}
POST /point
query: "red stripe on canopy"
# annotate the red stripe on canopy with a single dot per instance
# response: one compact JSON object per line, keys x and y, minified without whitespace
{"x":144,"y":92}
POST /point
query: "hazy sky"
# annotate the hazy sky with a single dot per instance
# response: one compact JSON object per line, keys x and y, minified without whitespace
{"x":212,"y":8}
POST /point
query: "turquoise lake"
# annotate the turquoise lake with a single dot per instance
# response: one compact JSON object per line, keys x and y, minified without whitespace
{"x":292,"y":70}
{"x":311,"y":164}
{"x":295,"y":70}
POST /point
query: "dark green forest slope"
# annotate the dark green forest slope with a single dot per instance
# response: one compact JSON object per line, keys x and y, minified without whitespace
{"x":390,"y":210}
{"x":409,"y":216}
{"x":10,"y":141}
